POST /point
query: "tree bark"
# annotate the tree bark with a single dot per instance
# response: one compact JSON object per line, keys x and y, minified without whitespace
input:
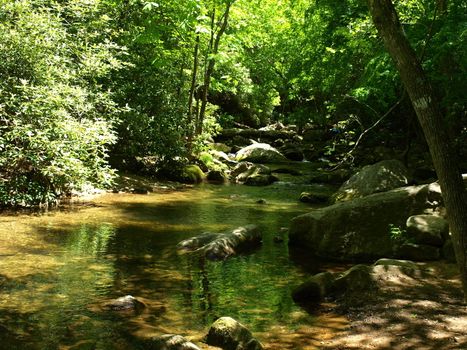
{"x":429,"y":115}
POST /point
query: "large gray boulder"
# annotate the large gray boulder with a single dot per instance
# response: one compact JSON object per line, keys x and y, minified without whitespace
{"x":427,"y":229}
{"x":230,"y":334}
{"x":260,"y":153}
{"x":361,"y":229}
{"x":380,"y":177}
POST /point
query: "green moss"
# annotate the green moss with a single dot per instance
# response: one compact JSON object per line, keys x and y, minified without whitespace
{"x":192,"y":174}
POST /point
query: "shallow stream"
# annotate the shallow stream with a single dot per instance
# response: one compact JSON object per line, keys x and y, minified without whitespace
{"x":58,"y":268}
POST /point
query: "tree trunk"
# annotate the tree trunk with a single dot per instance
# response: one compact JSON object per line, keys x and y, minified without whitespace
{"x":429,"y":115}
{"x":214,"y":46}
{"x":192,"y":93}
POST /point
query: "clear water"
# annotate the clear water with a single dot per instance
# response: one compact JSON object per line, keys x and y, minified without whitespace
{"x":58,"y":268}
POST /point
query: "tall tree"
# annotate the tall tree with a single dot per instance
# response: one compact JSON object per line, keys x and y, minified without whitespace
{"x":428,"y":112}
{"x":213,"y":50}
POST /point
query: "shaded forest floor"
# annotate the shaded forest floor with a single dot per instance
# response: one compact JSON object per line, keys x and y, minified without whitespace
{"x":418,"y":314}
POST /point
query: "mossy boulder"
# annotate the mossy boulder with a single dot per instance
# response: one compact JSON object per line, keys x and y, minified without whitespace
{"x":361,"y":229}
{"x":252,"y":174}
{"x":192,"y":174}
{"x":217,"y":176}
{"x":380,"y":177}
{"x":230,"y":334}
{"x":315,"y":288}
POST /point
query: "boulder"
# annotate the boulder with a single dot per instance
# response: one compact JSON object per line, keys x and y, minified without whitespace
{"x":427,"y":229}
{"x":169,"y":342}
{"x":222,"y":157}
{"x":313,"y":198}
{"x":361,"y":229}
{"x":315,"y":288}
{"x":408,"y":265}
{"x":260,"y":180}
{"x":217,"y":176}
{"x":292,"y":152}
{"x":230,"y":334}
{"x":191,"y":244}
{"x":331,"y":177}
{"x":260,"y":153}
{"x":418,"y":252}
{"x":356,"y":281}
{"x":220,"y":147}
{"x":252,"y":174}
{"x":275,"y":126}
{"x":222,"y":245}
{"x":380,"y":177}
{"x":192,"y":174}
{"x":126,"y":303}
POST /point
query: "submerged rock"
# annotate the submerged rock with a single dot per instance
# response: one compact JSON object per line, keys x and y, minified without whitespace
{"x":222,"y":245}
{"x":126,"y":303}
{"x":230,"y":334}
{"x":191,"y":244}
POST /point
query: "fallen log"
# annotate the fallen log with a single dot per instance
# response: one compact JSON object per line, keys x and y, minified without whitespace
{"x":220,"y":246}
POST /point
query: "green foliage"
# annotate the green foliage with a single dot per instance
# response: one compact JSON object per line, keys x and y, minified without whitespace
{"x":397,"y":234}
{"x":55,"y":117}
{"x":81,"y":77}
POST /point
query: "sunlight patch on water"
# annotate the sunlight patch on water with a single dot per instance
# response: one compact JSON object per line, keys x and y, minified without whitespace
{"x":58,"y":268}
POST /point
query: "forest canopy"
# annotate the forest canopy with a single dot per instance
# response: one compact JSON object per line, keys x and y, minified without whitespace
{"x":89,"y":86}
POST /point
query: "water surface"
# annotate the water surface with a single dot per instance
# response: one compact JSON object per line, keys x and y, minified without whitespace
{"x":57,"y":268}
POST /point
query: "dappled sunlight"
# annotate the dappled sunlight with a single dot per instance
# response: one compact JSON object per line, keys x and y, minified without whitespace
{"x":59,"y":268}
{"x":427,"y":314}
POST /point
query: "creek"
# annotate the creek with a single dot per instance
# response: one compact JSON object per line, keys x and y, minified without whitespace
{"x":57,"y":267}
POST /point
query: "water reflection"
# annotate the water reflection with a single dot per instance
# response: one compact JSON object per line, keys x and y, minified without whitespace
{"x":90,"y":241}
{"x":56,"y":269}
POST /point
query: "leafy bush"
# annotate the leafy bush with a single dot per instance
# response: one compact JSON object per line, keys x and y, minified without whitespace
{"x":55,"y":118}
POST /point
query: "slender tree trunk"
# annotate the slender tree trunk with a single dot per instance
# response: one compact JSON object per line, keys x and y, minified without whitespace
{"x":214,"y":45}
{"x":192,"y":93}
{"x":429,"y":115}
